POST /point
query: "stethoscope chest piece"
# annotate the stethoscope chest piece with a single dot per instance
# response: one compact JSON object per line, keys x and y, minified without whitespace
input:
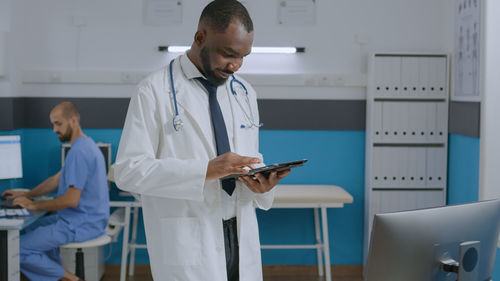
{"x":177,"y":123}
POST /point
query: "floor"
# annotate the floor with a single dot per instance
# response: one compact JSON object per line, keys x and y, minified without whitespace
{"x":271,"y":273}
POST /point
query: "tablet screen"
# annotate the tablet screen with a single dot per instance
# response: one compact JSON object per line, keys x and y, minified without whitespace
{"x":269,"y":168}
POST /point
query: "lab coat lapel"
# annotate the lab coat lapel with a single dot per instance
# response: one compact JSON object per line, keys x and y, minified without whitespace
{"x":238,"y":141}
{"x":191,"y":106}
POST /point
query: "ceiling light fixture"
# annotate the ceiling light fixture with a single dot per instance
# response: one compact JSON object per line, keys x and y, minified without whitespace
{"x":255,"y":50}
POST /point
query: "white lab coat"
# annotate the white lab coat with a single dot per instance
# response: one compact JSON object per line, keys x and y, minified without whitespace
{"x":182,"y":210}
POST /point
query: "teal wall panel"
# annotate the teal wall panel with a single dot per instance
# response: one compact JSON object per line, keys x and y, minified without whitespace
{"x":335,"y":157}
{"x":463,"y":176}
{"x":463,"y":169}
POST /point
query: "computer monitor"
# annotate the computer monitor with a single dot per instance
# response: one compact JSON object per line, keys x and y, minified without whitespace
{"x":457,"y":242}
{"x":104,"y":147}
{"x":11,"y":166}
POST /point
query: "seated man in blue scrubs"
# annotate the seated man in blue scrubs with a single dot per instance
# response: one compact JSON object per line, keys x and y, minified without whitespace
{"x":82,"y":203}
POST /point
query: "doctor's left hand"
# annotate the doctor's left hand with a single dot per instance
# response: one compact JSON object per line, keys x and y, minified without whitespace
{"x":262,"y":184}
{"x":25,"y":203}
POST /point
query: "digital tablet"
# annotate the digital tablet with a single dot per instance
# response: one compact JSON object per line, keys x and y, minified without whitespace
{"x":268,"y":169}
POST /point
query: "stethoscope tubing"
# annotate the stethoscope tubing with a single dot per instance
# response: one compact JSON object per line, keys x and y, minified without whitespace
{"x":173,"y":88}
{"x":177,"y":123}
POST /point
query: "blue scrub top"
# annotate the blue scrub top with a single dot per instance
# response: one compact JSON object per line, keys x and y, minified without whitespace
{"x":84,"y":168}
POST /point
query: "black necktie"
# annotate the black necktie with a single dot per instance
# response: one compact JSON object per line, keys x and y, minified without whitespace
{"x":220,"y":132}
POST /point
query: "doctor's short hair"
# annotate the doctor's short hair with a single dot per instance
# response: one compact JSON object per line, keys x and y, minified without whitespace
{"x":218,"y":14}
{"x":68,"y":110}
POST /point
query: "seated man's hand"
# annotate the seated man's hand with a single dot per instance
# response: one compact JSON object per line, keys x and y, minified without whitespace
{"x":25,"y":203}
{"x":229,"y":163}
{"x":10,"y":194}
{"x":262,"y":184}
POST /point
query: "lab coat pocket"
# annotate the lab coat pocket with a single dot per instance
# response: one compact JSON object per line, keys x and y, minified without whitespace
{"x":181,"y":241}
{"x":246,"y":141}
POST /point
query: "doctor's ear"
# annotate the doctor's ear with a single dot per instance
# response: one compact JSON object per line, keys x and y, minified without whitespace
{"x":200,"y":37}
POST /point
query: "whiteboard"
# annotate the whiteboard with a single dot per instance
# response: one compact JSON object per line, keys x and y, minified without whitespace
{"x":466,"y":66}
{"x":11,"y":166}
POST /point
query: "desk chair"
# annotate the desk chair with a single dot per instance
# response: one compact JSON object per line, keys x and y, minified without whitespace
{"x":79,"y":263}
{"x":115,"y":224}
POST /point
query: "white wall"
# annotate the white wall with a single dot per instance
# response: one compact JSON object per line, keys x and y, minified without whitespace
{"x":44,"y":37}
{"x":4,"y":29}
{"x":489,"y":165}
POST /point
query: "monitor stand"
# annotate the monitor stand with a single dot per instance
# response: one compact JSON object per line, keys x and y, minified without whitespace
{"x":467,"y":266}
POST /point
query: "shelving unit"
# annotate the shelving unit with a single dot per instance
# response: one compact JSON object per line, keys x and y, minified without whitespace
{"x":406,"y":133}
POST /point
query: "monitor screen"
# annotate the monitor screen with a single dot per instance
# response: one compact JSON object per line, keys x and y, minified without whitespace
{"x":457,"y":242}
{"x":104,"y":147}
{"x":11,"y":166}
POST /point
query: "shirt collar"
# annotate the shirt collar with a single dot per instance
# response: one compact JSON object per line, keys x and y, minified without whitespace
{"x":189,"y":68}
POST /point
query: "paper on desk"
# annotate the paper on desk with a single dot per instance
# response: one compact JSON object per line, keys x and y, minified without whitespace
{"x":11,"y":222}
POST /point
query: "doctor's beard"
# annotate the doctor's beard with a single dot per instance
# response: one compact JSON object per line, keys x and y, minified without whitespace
{"x":207,"y":68}
{"x":66,"y":136}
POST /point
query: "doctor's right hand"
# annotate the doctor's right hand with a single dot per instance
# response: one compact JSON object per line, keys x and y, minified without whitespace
{"x":10,"y":194}
{"x":229,"y":163}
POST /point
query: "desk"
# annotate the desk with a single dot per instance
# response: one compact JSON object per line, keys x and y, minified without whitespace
{"x":9,"y":248}
{"x":316,"y":197}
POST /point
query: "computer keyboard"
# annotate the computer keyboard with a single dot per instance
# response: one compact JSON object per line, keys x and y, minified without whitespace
{"x":15,"y":213}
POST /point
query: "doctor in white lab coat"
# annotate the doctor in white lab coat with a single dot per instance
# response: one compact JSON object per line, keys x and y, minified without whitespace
{"x":177,"y":172}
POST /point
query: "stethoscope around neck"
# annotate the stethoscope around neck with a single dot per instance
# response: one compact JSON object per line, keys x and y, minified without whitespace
{"x":177,"y":122}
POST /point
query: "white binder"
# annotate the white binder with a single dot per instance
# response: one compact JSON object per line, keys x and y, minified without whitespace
{"x":441,"y":77}
{"x":395,"y":163}
{"x":403,"y":167}
{"x":396,"y":122}
{"x":430,"y":131}
{"x":421,"y":167}
{"x":434,"y":77}
{"x":421,"y":134}
{"x":394,"y":72}
{"x":423,"y":87}
{"x":389,"y":166}
{"x":403,"y":121}
{"x":385,"y":169}
{"x":396,"y":200}
{"x":412,"y":167}
{"x":386,"y":81}
{"x":441,"y":121}
{"x":435,"y":167}
{"x":377,"y":179}
{"x":411,"y":76}
{"x":387,"y":126}
{"x":413,"y":121}
{"x":377,"y":132}
{"x":430,"y":198}
{"x":396,"y":177}
{"x":378,"y":76}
